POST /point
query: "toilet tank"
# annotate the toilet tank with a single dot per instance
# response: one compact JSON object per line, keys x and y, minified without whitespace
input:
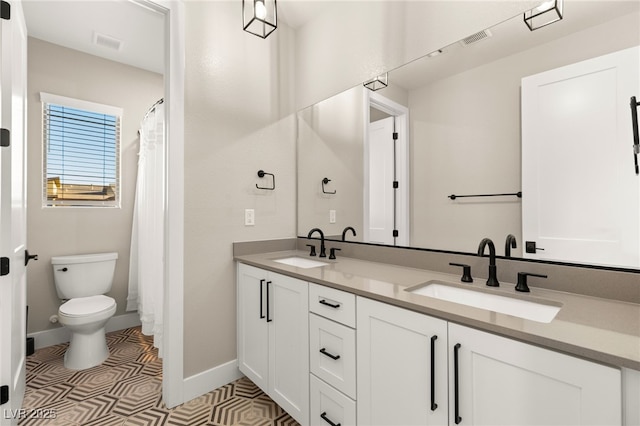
{"x":83,"y":275}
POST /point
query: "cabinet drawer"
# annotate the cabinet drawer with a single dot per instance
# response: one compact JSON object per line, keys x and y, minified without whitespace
{"x":337,"y":305}
{"x":332,"y":350}
{"x":328,"y":406}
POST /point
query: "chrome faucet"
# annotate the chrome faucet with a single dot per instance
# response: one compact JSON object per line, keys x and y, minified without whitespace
{"x":509,"y":244}
{"x":322,"y":248}
{"x":492,"y":281}
{"x":344,"y":232}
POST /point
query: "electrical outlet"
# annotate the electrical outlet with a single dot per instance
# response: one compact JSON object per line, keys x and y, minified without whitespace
{"x":332,"y":216}
{"x":249,"y":217}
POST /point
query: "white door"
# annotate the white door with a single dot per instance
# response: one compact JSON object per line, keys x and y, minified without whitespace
{"x":13,"y":302}
{"x":504,"y":382}
{"x":401,"y":366}
{"x":381,"y":176}
{"x":288,"y":316}
{"x":580,"y":191}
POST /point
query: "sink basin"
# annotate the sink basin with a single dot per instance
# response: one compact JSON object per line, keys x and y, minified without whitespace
{"x":492,"y":302}
{"x":300,"y":262}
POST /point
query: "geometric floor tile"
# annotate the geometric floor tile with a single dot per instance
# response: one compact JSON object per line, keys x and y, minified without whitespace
{"x":127,"y":390}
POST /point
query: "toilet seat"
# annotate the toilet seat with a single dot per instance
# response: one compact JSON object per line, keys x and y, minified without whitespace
{"x":83,"y":306}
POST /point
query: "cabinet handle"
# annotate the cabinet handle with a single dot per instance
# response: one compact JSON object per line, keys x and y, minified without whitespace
{"x":326,"y":419}
{"x":456,"y":384}
{"x":268,"y":318}
{"x":261,"y":313}
{"x":323,"y":351}
{"x":433,"y":373}
{"x":331,"y":305}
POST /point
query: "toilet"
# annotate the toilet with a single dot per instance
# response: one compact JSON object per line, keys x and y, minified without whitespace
{"x":81,"y":281}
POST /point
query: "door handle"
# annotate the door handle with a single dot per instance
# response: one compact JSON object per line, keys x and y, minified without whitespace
{"x":636,"y":138}
{"x":28,"y":257}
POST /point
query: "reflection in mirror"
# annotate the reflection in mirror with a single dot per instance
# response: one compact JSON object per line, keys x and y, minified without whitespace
{"x":481,"y":115}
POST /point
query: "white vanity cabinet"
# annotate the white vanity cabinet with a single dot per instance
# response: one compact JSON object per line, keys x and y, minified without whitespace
{"x":479,"y":378}
{"x":273,"y":337}
{"x":402,"y":366}
{"x":332,"y":355}
{"x":501,"y":381}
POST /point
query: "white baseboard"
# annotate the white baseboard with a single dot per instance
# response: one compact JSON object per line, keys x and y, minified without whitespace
{"x":201,"y":383}
{"x":55,"y":336}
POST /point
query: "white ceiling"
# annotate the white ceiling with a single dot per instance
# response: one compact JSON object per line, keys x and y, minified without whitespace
{"x":74,"y":23}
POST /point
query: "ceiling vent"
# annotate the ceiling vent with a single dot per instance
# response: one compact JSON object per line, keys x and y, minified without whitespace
{"x":106,"y":41}
{"x":474,"y":38}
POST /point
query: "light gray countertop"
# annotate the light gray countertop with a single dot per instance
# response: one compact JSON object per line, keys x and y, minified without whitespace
{"x":601,"y":330}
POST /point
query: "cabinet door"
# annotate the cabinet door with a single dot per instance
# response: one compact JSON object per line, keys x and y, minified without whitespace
{"x":253,"y":336}
{"x":504,"y":382}
{"x":288,"y":316}
{"x":396,"y":385}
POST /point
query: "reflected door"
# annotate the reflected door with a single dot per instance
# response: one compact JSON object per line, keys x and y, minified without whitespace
{"x":580,"y":191}
{"x":381,"y":176}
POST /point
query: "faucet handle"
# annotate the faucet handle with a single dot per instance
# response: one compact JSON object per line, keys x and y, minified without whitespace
{"x":522,"y":280}
{"x":332,"y":252}
{"x":313,"y":249}
{"x":466,"y":272}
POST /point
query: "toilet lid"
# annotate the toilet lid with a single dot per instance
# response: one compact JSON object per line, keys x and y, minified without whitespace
{"x":87,"y":305}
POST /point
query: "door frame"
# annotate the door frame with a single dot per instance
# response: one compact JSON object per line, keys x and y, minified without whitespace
{"x":173,"y":310}
{"x":401,"y":114}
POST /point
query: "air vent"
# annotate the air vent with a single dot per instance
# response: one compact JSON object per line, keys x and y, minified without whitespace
{"x":474,"y":38}
{"x":106,"y":41}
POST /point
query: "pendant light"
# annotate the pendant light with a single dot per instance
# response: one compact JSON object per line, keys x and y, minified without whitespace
{"x":259,"y":17}
{"x":543,"y":15}
{"x":377,"y":83}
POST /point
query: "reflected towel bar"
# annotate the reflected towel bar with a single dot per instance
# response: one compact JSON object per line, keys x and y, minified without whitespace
{"x":517,"y":194}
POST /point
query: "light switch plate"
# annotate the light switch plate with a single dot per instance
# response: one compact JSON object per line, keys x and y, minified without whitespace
{"x":249,"y":217}
{"x":332,"y":216}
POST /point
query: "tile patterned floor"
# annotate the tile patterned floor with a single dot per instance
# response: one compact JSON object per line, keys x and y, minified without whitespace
{"x":126,"y":390}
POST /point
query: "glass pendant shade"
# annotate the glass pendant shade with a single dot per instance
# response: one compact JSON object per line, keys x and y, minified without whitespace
{"x":380,"y":82}
{"x":259,"y":17}
{"x":543,"y":15}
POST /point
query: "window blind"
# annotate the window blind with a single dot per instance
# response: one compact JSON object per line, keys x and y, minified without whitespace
{"x":81,"y":156}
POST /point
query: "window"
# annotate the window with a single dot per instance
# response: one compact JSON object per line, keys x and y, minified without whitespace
{"x":81,"y":153}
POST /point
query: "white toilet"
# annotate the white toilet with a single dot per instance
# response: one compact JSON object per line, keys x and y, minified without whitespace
{"x":81,"y":281}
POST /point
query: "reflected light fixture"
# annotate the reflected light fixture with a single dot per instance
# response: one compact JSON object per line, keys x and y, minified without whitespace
{"x":377,"y":83}
{"x":543,"y":15}
{"x":259,"y":17}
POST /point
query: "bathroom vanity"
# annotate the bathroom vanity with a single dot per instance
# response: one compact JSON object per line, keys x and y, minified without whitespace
{"x":343,"y":342}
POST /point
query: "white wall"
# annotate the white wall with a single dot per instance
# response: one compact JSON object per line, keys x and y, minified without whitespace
{"x":238,"y":119}
{"x":64,"y":231}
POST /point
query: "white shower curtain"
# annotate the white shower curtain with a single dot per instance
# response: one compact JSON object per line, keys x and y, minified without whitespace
{"x":146,"y":270}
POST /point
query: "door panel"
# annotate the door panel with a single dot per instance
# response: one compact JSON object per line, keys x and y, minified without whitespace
{"x":581,"y":196}
{"x":381,"y":176}
{"x":13,"y":60}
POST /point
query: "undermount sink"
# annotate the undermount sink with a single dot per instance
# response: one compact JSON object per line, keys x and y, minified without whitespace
{"x":526,"y":309}
{"x":300,"y":262}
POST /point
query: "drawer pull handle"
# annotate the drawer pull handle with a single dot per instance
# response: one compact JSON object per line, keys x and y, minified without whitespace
{"x":456,"y":384}
{"x":433,"y":373}
{"x":261,"y":299}
{"x":324,"y":417}
{"x":331,"y":305}
{"x":269,"y":319}
{"x":323,"y":351}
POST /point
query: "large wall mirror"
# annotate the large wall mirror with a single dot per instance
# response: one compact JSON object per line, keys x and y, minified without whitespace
{"x":542,"y":117}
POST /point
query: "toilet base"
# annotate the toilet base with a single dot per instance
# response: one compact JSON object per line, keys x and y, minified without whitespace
{"x":86,"y":350}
